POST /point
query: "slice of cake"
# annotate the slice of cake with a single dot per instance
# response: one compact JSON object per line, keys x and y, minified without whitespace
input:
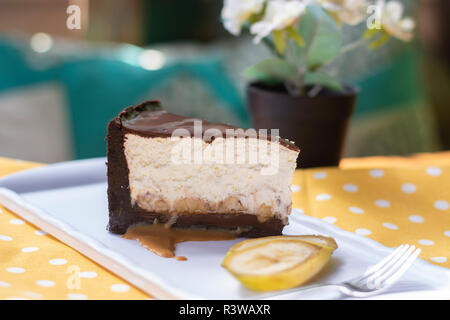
{"x":187,"y":172}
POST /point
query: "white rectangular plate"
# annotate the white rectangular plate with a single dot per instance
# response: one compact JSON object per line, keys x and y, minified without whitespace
{"x":68,"y":200}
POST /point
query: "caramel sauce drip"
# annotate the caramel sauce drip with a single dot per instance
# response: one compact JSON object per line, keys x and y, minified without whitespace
{"x":162,"y":239}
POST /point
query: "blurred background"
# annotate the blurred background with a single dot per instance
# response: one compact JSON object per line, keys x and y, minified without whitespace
{"x":59,"y":87}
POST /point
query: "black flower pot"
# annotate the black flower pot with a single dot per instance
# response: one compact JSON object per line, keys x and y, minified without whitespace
{"x":318,"y":125}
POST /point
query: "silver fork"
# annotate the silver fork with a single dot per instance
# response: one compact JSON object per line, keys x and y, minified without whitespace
{"x":382,"y":275}
{"x":378,"y":277}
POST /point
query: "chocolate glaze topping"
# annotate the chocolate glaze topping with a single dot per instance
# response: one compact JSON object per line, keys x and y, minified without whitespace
{"x":150,"y":120}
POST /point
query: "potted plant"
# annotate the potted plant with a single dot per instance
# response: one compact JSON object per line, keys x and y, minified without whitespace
{"x":293,"y":90}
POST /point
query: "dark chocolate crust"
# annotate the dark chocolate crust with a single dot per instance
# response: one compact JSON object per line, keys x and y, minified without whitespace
{"x":122,"y":214}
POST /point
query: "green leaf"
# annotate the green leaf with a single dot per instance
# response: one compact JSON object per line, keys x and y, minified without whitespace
{"x":322,"y":37}
{"x":294,"y":35}
{"x":271,"y":70}
{"x":322,"y":79}
{"x":279,"y":41}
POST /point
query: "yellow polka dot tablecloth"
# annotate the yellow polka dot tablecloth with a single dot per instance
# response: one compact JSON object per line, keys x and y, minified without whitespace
{"x":391,"y":200}
{"x":34,"y":265}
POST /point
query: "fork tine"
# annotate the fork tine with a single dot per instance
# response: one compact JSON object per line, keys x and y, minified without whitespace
{"x":397,"y":271}
{"x":391,"y":265}
{"x":399,"y":251}
{"x":394,"y":255}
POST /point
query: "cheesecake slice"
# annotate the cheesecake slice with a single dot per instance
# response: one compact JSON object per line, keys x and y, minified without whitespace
{"x":187,"y":172}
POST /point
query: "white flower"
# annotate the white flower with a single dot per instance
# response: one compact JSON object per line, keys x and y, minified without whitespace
{"x":392,"y":20}
{"x":350,"y":12}
{"x":279,"y":15}
{"x":236,"y":12}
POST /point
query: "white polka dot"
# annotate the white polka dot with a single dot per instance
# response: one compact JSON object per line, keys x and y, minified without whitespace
{"x":323,"y":197}
{"x":416,"y":218}
{"x":120,"y":287}
{"x":426,"y":242}
{"x":88,"y":274}
{"x":5,"y":238}
{"x":4,"y":284}
{"x":295,"y":188}
{"x":439,"y":259}
{"x":349,"y":187}
{"x":76,"y":296}
{"x":441,"y":205}
{"x":390,"y":226}
{"x":15,"y":270}
{"x":320,"y":175}
{"x":434,"y":171}
{"x":40,"y":233}
{"x":45,"y":283}
{"x":17,"y":298}
{"x":447,"y":233}
{"x":30,"y":249}
{"x":329,"y":219}
{"x":363,"y":232}
{"x":58,"y":262}
{"x":33,"y":295}
{"x":408,"y":188}
{"x":376,"y":173}
{"x":356,"y":210}
{"x":16,"y":221}
{"x":382,"y":203}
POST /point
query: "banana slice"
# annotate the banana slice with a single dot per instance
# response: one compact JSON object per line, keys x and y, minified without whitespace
{"x":314,"y":239}
{"x":276,"y":263}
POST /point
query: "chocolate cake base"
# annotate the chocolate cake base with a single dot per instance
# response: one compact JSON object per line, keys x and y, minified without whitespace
{"x":122,"y":214}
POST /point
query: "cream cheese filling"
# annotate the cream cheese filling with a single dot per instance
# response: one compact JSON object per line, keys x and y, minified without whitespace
{"x":188,"y":175}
